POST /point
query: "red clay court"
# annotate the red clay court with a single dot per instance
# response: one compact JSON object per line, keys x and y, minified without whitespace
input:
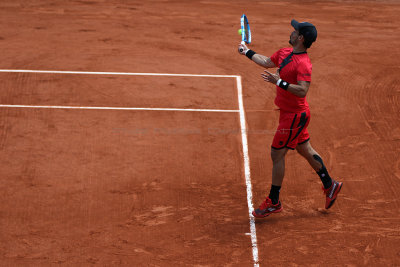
{"x":132,"y":133}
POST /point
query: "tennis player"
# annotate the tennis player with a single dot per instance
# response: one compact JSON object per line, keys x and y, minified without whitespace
{"x":292,"y":81}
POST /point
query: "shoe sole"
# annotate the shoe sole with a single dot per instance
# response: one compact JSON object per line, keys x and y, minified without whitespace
{"x":337,"y":193}
{"x":267,"y":214}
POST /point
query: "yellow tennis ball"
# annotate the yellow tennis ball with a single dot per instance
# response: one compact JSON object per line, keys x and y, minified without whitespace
{"x":240,"y":31}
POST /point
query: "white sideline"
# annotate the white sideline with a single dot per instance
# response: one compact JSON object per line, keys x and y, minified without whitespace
{"x":246,"y":159}
{"x":241,"y":112}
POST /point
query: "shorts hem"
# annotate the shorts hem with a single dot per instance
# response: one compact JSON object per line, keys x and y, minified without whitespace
{"x":276,"y":148}
{"x":308,"y":139}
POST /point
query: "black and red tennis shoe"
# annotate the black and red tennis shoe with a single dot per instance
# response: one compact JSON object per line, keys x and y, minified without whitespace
{"x":266,"y":208}
{"x":331,"y":193}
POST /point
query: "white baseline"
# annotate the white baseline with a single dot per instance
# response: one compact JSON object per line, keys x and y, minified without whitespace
{"x":119,"y":73}
{"x":120,"y":108}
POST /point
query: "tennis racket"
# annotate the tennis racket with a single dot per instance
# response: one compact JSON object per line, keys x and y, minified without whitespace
{"x":246,"y":33}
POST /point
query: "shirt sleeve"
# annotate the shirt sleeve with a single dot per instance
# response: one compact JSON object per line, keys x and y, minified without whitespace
{"x":275,"y":58}
{"x":304,"y":72}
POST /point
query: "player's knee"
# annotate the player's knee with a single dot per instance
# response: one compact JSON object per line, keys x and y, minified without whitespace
{"x":301,"y":151}
{"x":277,"y":155}
{"x":306,"y":152}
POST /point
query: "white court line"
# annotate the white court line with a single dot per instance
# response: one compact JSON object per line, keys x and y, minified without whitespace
{"x":120,"y":73}
{"x":246,"y":159}
{"x":119,"y":108}
{"x":242,"y":125}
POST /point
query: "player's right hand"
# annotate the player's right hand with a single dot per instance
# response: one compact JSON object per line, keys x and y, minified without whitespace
{"x":242,"y":49}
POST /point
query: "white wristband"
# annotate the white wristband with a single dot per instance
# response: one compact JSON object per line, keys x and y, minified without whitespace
{"x":277,"y":83}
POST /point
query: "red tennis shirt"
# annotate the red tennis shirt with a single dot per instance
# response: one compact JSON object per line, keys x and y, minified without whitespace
{"x":293,"y":67}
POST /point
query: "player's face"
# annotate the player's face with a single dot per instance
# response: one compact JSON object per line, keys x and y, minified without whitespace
{"x":294,"y":38}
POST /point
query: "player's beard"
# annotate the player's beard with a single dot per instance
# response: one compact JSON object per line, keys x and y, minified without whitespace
{"x":290,"y":40}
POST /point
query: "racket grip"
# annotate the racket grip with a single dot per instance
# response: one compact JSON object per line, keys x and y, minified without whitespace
{"x":241,"y":49}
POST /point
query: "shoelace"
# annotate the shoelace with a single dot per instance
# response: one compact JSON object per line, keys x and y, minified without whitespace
{"x":266,"y":203}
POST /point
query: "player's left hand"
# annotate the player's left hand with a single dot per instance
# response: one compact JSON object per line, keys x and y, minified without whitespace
{"x":270,"y":77}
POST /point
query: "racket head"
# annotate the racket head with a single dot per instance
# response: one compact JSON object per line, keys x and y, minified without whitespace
{"x":246,"y":33}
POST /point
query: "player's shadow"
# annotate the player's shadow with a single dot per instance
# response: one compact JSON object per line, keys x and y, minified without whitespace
{"x":293,"y":216}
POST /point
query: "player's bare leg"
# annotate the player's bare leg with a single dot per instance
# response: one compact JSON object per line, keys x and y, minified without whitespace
{"x":331,"y":187}
{"x":278,"y":168}
{"x":308,"y":153}
{"x":272,"y":204}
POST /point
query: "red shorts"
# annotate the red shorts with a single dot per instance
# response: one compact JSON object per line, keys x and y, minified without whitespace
{"x":292,"y":130}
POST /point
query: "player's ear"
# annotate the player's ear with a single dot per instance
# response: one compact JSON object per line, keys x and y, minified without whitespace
{"x":301,"y":39}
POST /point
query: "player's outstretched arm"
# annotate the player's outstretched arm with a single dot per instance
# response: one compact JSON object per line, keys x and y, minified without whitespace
{"x":261,"y":60}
